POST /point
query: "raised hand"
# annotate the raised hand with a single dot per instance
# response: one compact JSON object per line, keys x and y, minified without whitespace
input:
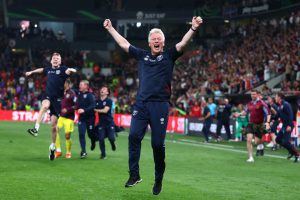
{"x":196,"y":22}
{"x":107,"y":24}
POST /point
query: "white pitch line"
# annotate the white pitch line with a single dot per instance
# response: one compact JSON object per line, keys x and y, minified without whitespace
{"x":212,"y":146}
{"x":222,"y":148}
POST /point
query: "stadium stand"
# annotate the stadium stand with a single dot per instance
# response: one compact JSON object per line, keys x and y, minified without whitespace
{"x":247,"y":53}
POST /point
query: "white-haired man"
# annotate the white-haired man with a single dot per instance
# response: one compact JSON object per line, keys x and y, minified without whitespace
{"x":155,"y":69}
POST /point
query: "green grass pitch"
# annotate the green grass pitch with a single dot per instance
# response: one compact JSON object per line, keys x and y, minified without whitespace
{"x":195,"y":170}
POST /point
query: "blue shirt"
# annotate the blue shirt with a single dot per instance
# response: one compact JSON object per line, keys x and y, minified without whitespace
{"x":86,"y":101}
{"x":55,"y":81}
{"x":212,"y":107}
{"x":155,"y":73}
{"x":105,"y":119}
{"x":285,"y":113}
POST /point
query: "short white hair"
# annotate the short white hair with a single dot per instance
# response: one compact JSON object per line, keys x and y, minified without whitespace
{"x":156,"y":30}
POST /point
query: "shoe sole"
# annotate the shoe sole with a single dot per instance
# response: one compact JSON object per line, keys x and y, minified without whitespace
{"x":134,"y":183}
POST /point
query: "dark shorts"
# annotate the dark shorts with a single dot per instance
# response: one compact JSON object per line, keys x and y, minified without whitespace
{"x":257,"y":129}
{"x":55,"y":105}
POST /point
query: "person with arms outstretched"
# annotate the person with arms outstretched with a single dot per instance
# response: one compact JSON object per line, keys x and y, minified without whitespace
{"x":155,"y":69}
{"x":56,"y":77}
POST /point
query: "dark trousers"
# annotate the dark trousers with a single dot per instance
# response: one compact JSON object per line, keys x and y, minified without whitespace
{"x":154,"y":114}
{"x":283,"y":138}
{"x":226,"y":125}
{"x":105,"y":131}
{"x":83,"y":126}
{"x":206,"y":129}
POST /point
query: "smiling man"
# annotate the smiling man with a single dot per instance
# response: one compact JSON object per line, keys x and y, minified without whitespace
{"x":56,"y":74}
{"x":155,"y":68}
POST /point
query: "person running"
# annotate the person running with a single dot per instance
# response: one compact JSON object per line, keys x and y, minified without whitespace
{"x":286,"y":116}
{"x":66,"y":119}
{"x":86,"y":123}
{"x":258,"y":114}
{"x":106,"y":125}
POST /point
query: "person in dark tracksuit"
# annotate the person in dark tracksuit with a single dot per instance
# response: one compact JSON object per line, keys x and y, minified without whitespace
{"x":223,"y":118}
{"x":207,"y":120}
{"x":283,"y":138}
{"x":86,"y":105}
{"x":106,"y":125}
{"x":56,"y":77}
{"x":155,"y":69}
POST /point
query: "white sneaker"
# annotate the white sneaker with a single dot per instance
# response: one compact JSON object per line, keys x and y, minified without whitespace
{"x":250,"y":160}
{"x":270,"y":145}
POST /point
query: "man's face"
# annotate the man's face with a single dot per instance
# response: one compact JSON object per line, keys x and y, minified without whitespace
{"x":270,"y":100}
{"x":82,"y":87}
{"x":253,"y":96}
{"x":104,"y":91}
{"x":55,"y":60}
{"x":156,"y":43}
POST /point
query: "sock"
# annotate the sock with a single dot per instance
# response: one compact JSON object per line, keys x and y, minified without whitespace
{"x":57,"y":143}
{"x":68,"y":145}
{"x":260,"y":147}
{"x":37,"y":126}
{"x":52,"y":146}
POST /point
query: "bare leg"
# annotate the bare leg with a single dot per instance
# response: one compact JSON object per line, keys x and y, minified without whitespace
{"x":54,"y":128}
{"x":249,"y":145}
{"x":43,"y":110}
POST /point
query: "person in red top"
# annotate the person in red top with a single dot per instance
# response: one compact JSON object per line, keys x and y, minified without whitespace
{"x":259,"y":113}
{"x":195,"y":110}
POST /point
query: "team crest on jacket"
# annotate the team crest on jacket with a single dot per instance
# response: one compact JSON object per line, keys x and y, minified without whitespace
{"x":84,"y":96}
{"x":104,"y":103}
{"x":57,"y":72}
{"x":159,"y":58}
{"x":68,"y":95}
{"x":134,"y":113}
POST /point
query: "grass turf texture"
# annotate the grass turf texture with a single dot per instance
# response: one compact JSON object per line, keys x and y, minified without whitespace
{"x":194,"y":170}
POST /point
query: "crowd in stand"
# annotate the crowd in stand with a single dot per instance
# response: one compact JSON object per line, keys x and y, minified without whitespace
{"x":251,"y":53}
